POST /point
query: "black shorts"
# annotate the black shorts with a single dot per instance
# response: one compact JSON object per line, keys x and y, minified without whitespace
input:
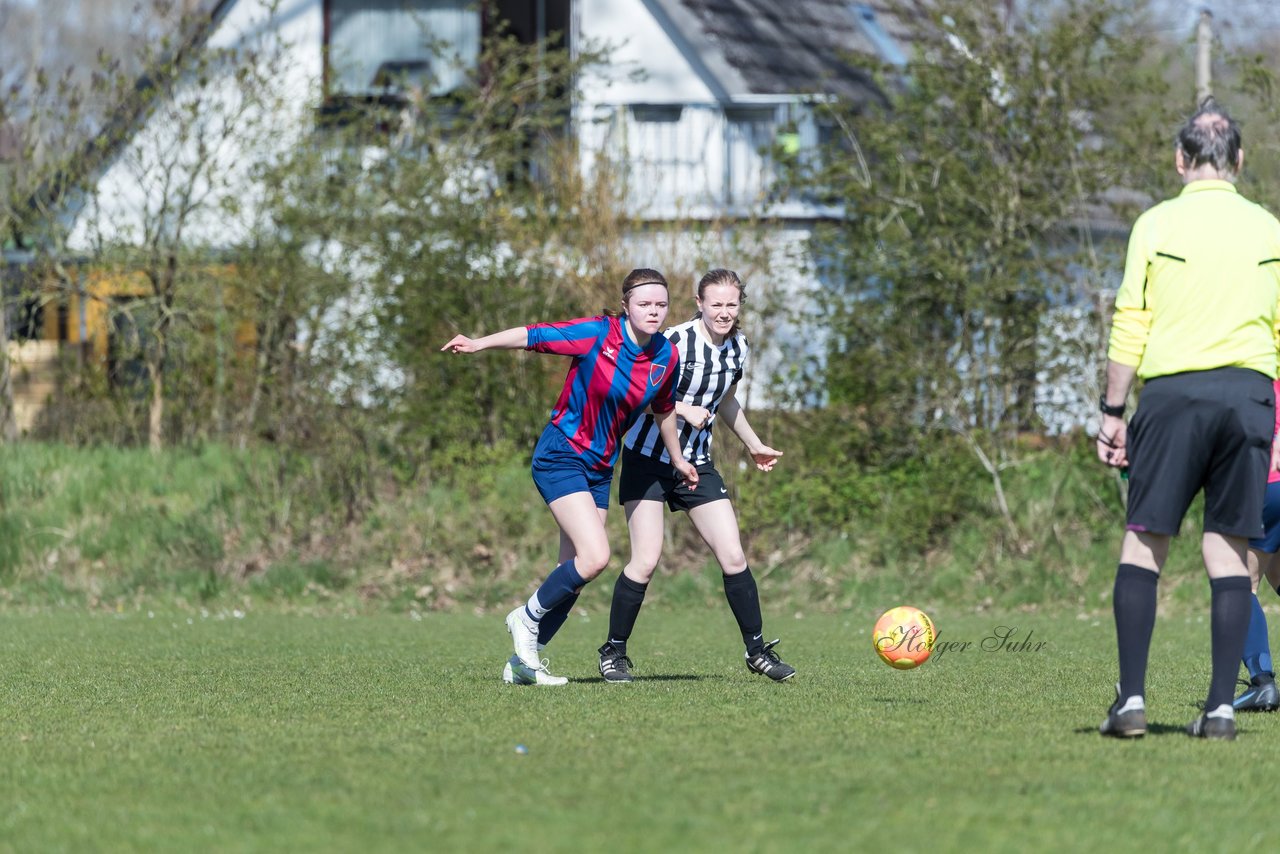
{"x":1207,"y":430}
{"x":646,"y":479}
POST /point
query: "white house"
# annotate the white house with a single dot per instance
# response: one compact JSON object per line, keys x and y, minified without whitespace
{"x":696,"y":91}
{"x":723,"y":86}
{"x":695,"y":97}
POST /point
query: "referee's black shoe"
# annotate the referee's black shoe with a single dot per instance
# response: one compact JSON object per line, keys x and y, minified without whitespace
{"x":1261,"y":695}
{"x":1124,"y":722}
{"x":614,"y":665}
{"x":767,"y":663}
{"x":1223,"y":729}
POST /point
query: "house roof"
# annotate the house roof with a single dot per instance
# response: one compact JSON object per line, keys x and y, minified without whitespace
{"x":754,"y":48}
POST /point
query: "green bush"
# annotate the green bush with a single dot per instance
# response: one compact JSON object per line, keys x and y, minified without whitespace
{"x":111,"y":527}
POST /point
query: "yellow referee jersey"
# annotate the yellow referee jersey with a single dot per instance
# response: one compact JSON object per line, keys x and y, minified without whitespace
{"x":1201,"y":286}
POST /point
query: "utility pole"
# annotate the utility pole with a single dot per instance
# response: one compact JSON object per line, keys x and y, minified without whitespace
{"x":1204,"y":41}
{"x":8,"y":422}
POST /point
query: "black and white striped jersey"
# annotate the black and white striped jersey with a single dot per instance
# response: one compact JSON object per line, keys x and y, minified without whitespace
{"x":707,"y":373}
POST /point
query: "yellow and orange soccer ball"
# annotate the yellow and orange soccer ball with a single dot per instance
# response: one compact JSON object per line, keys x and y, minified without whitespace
{"x":904,"y":637}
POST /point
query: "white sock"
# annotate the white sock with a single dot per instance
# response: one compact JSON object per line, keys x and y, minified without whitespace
{"x":1133,"y":704}
{"x":535,"y":607}
{"x":1223,"y":711}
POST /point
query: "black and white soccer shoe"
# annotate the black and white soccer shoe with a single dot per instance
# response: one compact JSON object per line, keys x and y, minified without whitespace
{"x":767,"y":663}
{"x":614,"y":666}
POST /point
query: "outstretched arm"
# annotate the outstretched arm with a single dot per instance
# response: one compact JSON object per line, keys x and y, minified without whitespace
{"x":516,"y":338}
{"x":671,"y":441}
{"x":731,"y":413}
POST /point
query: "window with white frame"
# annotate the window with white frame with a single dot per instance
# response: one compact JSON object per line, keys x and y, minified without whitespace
{"x":379,"y":47}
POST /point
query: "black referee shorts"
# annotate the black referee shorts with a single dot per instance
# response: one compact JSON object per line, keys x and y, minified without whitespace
{"x":1207,"y":430}
{"x":646,"y":479}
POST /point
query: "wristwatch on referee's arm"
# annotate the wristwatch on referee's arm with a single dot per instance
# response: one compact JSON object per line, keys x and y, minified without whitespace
{"x":1107,"y":409}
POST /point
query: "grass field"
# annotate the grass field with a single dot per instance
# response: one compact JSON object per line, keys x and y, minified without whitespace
{"x":280,"y":732}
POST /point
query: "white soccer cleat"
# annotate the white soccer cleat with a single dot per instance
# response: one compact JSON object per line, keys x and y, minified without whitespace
{"x":515,"y":673}
{"x":524,"y":635}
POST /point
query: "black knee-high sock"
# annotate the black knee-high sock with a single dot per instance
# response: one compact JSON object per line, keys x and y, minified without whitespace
{"x":744,"y":601}
{"x":1134,"y":604}
{"x":1230,"y":604}
{"x":628,"y":596}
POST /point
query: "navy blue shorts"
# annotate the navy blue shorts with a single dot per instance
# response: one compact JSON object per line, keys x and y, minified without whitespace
{"x":1269,"y":542}
{"x":559,"y":470}
{"x":1207,"y":430}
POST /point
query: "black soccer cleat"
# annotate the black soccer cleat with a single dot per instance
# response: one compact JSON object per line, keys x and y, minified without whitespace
{"x":1260,"y":696}
{"x":1130,"y":723}
{"x":614,"y":666}
{"x":1222,"y":729}
{"x":767,"y":663}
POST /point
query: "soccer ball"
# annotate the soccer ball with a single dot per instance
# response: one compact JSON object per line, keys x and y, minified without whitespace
{"x":903,"y":637}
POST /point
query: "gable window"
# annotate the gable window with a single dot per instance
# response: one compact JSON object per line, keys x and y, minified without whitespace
{"x":657,"y":113}
{"x":380,"y":48}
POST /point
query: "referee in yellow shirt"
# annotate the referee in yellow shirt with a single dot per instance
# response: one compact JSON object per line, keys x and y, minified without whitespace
{"x":1196,"y":318}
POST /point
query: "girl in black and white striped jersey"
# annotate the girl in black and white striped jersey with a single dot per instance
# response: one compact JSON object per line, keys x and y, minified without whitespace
{"x":713,"y":360}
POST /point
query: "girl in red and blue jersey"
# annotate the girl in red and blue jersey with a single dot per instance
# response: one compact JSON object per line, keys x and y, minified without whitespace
{"x":1262,"y":694}
{"x":621,"y":366}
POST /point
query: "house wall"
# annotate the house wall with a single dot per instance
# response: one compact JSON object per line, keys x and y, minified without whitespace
{"x":161,"y":164}
{"x":33,"y":372}
{"x":674,"y":157}
{"x":645,"y":66}
{"x":707,"y":163}
{"x":687,"y":149}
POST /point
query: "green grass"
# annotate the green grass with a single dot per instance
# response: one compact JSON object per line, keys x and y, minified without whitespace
{"x":282,"y":732}
{"x":97,"y":525}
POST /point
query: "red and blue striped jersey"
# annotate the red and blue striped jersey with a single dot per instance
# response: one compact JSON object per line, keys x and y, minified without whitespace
{"x":610,"y":382}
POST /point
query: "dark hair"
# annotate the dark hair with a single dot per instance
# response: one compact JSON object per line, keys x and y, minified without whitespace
{"x":636,"y":278}
{"x":1210,"y":138}
{"x":721,"y":276}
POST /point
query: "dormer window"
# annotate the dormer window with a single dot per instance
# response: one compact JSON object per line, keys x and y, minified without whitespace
{"x":384,"y":48}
